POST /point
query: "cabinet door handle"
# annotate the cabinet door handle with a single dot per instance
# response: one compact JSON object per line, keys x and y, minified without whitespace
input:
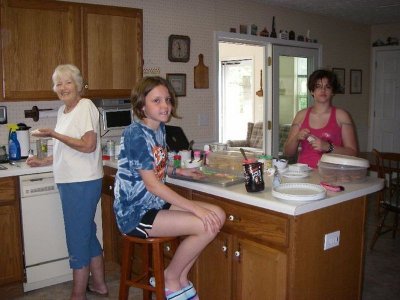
{"x":232,"y":218}
{"x":167,"y":248}
{"x":86,"y":86}
{"x":224,"y":248}
{"x":110,"y":187}
{"x":237,"y":253}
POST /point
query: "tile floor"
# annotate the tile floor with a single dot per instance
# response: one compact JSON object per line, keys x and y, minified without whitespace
{"x":381,"y":271}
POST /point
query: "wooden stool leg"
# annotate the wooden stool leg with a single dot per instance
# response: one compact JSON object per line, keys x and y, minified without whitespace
{"x":146,"y":268}
{"x":126,"y":269}
{"x":158,"y":263}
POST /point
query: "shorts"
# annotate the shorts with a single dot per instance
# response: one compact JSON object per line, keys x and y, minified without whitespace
{"x":147,"y":222}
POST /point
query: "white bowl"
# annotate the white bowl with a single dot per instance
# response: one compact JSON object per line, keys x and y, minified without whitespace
{"x":280,"y":163}
{"x":192,"y":163}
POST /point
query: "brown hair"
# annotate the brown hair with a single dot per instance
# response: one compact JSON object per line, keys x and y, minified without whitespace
{"x":143,"y":88}
{"x":320,"y":74}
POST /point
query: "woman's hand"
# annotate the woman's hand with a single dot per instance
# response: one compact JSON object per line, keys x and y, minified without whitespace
{"x":192,"y":172}
{"x":319,"y":144}
{"x":34,"y":161}
{"x":43,"y":132}
{"x":303,"y":134}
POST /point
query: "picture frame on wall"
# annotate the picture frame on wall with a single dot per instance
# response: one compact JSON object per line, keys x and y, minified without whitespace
{"x":178,"y":82}
{"x":355,"y":81}
{"x":341,"y":77}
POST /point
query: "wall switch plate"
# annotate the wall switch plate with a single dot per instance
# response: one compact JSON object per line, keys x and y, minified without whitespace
{"x":3,"y":114}
{"x":331,"y":240}
{"x":202,"y":119}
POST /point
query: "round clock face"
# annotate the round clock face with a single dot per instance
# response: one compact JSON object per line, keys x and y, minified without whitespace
{"x":179,"y":48}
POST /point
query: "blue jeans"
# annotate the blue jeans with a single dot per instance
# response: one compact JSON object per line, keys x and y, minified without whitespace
{"x":79,"y":202}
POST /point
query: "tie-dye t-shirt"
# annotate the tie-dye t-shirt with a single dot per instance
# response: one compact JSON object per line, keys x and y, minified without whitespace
{"x":141,"y":149}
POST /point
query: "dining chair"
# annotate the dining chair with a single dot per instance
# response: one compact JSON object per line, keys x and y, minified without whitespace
{"x":388,"y":167}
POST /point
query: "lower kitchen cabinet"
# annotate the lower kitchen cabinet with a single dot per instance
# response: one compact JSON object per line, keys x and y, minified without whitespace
{"x":263,"y":254}
{"x":11,"y":262}
{"x":240,"y":266}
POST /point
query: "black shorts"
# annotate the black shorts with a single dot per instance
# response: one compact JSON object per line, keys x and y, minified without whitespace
{"x":147,"y":222}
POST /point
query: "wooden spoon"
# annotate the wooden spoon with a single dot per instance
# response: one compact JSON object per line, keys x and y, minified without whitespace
{"x":260,"y":92}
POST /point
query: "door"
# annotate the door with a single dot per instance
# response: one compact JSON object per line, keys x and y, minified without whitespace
{"x":386,"y":119}
{"x":291,"y":67}
{"x":240,"y":101}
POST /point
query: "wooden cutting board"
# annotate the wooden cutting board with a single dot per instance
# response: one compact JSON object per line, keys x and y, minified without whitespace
{"x":201,"y":74}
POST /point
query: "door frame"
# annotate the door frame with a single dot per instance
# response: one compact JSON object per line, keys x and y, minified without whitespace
{"x":267,"y":43}
{"x":277,"y":51}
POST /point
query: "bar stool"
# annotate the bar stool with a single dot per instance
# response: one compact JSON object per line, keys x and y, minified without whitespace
{"x":151,"y":264}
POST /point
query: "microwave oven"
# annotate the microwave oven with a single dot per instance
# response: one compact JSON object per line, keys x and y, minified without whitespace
{"x":116,"y":118}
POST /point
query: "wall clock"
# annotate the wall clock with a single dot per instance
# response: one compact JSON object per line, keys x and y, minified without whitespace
{"x":179,"y":48}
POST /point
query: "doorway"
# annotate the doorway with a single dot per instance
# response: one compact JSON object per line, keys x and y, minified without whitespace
{"x":386,"y":100}
{"x":239,"y":99}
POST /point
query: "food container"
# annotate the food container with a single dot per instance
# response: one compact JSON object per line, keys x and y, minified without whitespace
{"x":228,"y":161}
{"x":342,"y":168}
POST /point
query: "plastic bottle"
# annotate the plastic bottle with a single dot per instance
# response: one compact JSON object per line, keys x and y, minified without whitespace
{"x":14,"y":148}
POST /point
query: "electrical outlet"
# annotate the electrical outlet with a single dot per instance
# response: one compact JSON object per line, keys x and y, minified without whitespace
{"x":202,"y":119}
{"x":331,"y":240}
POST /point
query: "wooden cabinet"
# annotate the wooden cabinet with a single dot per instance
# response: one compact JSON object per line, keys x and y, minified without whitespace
{"x":112,"y":50}
{"x":105,"y":42}
{"x":262,"y":254}
{"x":111,"y":236}
{"x":238,"y":263}
{"x":11,"y":270}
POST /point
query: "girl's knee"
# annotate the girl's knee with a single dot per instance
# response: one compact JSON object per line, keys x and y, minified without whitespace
{"x":221,"y":214}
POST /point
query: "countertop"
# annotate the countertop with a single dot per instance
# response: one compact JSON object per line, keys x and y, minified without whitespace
{"x":238,"y":192}
{"x":265,"y":199}
{"x":21,"y":168}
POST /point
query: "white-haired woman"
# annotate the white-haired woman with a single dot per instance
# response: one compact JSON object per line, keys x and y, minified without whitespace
{"x":78,"y":173}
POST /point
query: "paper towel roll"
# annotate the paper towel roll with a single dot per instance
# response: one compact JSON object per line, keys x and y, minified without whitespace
{"x":47,"y":114}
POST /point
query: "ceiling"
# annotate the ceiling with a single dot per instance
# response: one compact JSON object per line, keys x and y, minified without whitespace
{"x":369,"y":12}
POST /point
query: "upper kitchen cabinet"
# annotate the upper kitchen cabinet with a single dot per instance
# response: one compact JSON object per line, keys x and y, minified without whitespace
{"x":105,"y":42}
{"x":36,"y":36}
{"x":112,"y":50}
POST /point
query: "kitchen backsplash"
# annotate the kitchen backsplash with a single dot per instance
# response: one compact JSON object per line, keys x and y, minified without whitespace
{"x":16,"y":114}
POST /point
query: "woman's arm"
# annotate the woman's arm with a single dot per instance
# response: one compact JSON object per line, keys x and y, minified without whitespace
{"x":295,"y":135}
{"x":350,"y":145}
{"x":87,"y":143}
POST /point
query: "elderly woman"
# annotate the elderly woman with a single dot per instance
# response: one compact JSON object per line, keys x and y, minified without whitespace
{"x":78,"y":173}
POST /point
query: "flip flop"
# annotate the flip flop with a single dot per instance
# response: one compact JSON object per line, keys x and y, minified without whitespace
{"x":95,"y":293}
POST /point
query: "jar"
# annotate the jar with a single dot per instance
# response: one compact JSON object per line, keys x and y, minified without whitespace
{"x":177,"y":161}
{"x":266,"y":160}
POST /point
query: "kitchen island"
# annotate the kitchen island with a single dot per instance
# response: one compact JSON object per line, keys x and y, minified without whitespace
{"x":268,"y":248}
{"x":274,"y":249}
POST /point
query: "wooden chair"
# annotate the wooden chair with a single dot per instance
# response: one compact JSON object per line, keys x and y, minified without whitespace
{"x":388,"y":167}
{"x":152,"y":250}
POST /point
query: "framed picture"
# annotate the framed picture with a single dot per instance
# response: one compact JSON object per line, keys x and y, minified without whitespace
{"x":178,"y":82}
{"x":355,"y":81}
{"x":340,"y":74}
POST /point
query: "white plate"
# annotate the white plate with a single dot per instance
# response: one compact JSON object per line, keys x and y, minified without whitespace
{"x":299,"y":192}
{"x":295,"y":175}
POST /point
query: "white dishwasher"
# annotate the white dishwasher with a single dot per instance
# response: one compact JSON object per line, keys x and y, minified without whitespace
{"x":45,"y":247}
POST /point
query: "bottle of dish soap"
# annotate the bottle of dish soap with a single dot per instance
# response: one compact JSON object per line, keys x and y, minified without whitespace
{"x":14,"y":149}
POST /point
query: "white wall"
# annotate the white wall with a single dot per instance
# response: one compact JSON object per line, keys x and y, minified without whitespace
{"x":345,"y":45}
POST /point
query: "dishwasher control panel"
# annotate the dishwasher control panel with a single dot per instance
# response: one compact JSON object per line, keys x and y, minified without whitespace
{"x":37,"y":184}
